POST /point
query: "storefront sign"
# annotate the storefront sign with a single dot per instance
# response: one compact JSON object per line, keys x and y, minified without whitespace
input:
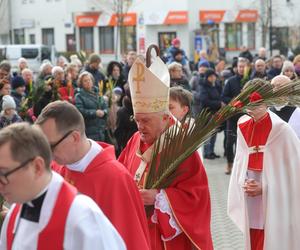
{"x":129,"y":19}
{"x":166,"y":18}
{"x":249,"y":16}
{"x":176,"y":17}
{"x":215,"y":16}
{"x":87,"y":20}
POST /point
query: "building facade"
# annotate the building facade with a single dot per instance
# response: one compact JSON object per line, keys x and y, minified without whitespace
{"x":103,"y":27}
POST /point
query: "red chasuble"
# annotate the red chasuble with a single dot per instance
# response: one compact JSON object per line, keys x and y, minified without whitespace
{"x":256,"y":134}
{"x":108,"y":183}
{"x":189,"y":200}
{"x":52,"y":236}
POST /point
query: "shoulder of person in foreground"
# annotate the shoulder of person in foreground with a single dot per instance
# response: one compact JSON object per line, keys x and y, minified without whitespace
{"x":89,"y":227}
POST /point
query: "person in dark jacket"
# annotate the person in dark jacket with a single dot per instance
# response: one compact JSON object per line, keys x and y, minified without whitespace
{"x":210,"y":98}
{"x":172,"y":50}
{"x":92,"y":107}
{"x":246,"y":54}
{"x":125,"y":125}
{"x":115,"y":79}
{"x":231,"y":89}
{"x":275,"y":70}
{"x":177,"y":76}
{"x":197,"y":79}
{"x":259,"y":70}
{"x":130,"y":58}
{"x":93,"y":68}
{"x":18,"y":91}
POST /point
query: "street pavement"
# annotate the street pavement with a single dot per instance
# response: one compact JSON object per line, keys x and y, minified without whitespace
{"x":226,"y":236}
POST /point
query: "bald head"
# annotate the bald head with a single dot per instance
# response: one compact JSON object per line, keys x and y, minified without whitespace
{"x":260,"y":66}
{"x":279,"y":81}
{"x":262,"y":52}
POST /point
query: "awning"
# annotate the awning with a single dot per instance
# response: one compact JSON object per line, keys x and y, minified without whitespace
{"x":215,"y":16}
{"x":101,"y":19}
{"x":88,"y":20}
{"x":166,"y":17}
{"x":249,"y":16}
{"x":129,"y":19}
{"x":228,"y":16}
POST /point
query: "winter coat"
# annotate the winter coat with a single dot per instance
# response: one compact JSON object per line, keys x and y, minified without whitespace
{"x":171,"y":54}
{"x":17,"y":98}
{"x":272,"y":73}
{"x":125,"y":126}
{"x":210,"y":97}
{"x":231,"y":89}
{"x":5,"y":121}
{"x":195,"y":83}
{"x":88,"y":103}
{"x":183,"y":82}
{"x":255,"y":74}
{"x":98,"y":76}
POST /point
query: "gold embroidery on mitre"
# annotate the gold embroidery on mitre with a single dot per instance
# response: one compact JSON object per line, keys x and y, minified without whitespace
{"x":139,"y":77}
{"x":156,"y":105}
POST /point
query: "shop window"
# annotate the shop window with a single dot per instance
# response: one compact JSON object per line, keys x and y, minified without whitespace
{"x":32,"y":38}
{"x":128,"y":38}
{"x":164,"y":42}
{"x":106,"y":39}
{"x":87,"y":39}
{"x":280,"y":39}
{"x":211,"y":30}
{"x":71,"y":44}
{"x":234,"y":37}
{"x":48,"y":36}
{"x":19,"y":36}
{"x":251,"y":35}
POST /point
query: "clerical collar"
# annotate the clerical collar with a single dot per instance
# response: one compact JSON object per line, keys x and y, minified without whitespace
{"x":31,"y":210}
{"x":83,"y":163}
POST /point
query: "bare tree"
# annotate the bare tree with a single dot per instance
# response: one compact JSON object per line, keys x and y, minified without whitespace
{"x":118,"y":8}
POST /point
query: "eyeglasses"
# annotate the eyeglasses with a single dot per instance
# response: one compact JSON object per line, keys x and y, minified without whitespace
{"x":54,"y":145}
{"x":3,"y":176}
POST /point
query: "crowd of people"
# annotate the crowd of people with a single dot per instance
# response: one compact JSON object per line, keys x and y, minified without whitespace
{"x":86,"y":116}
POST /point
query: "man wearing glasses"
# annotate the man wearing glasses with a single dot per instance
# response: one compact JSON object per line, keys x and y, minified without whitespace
{"x":93,"y":169}
{"x":46,"y":212}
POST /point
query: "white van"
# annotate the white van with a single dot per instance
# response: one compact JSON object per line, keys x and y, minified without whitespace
{"x":34,"y":54}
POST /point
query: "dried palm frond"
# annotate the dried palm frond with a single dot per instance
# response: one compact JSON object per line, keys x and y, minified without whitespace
{"x":180,"y":142}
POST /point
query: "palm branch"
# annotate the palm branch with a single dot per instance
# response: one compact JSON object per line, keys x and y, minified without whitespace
{"x":180,"y":142}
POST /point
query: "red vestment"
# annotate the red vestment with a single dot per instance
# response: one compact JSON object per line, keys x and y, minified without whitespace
{"x":107,"y":182}
{"x":256,"y":134}
{"x":188,"y":198}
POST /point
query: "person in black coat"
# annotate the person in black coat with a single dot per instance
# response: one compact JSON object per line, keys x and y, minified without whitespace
{"x":275,"y":70}
{"x":125,"y":125}
{"x":93,"y":68}
{"x":210,"y":98}
{"x":231,"y":89}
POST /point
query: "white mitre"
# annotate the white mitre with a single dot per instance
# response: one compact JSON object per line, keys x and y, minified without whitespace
{"x":149,"y":87}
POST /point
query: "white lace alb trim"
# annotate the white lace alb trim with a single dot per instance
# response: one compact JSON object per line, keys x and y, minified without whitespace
{"x":162,"y":205}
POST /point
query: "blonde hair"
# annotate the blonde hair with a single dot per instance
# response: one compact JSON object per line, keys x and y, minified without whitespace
{"x":174,"y":65}
{"x":83,"y":74}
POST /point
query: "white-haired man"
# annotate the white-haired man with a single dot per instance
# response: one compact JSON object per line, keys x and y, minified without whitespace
{"x":187,"y":198}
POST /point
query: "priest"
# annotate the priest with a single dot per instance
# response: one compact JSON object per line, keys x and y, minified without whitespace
{"x":46,"y":212}
{"x":93,"y":169}
{"x":264,"y":189}
{"x":179,"y":215}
